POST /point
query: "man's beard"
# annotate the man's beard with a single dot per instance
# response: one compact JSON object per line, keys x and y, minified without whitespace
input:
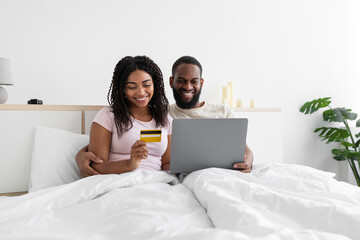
{"x":186,"y":105}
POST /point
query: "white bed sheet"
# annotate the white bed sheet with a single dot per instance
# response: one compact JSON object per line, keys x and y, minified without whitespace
{"x":280,"y":199}
{"x":127,"y":206}
{"x":273,"y":202}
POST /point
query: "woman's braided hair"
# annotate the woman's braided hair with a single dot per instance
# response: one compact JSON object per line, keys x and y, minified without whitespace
{"x":158,"y":105}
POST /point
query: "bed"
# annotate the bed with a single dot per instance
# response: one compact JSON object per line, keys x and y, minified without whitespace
{"x":275,"y":201}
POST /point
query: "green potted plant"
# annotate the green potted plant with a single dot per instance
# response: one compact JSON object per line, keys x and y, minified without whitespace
{"x":349,"y":145}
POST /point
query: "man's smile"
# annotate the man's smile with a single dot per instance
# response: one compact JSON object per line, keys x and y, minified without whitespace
{"x":187,"y":95}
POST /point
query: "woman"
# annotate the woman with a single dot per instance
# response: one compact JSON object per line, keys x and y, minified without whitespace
{"x":137,"y":102}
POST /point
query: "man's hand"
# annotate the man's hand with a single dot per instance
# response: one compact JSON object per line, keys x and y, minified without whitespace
{"x":246,"y":166}
{"x":83,"y":160}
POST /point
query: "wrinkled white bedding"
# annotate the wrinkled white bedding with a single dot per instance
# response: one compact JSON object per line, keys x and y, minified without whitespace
{"x":275,"y":201}
{"x":278,"y":199}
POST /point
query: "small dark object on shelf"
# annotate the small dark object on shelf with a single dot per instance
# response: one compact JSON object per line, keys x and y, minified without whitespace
{"x":35,"y":101}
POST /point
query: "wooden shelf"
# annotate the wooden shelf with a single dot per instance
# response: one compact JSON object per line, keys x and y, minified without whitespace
{"x":44,"y":107}
{"x":257,"y":109}
{"x":34,"y":107}
{"x":13,"y":194}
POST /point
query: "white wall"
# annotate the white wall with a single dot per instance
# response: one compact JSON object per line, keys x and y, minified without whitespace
{"x":280,"y":53}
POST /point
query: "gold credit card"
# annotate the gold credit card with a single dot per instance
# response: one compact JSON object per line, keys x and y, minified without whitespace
{"x":150,"y":135}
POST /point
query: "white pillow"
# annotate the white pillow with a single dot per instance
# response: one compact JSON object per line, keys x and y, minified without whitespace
{"x":53,"y":158}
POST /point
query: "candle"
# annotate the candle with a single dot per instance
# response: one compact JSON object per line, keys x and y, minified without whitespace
{"x":225,"y":93}
{"x":239,"y":103}
{"x":252,"y":103}
{"x":224,"y":101}
{"x":231,"y":93}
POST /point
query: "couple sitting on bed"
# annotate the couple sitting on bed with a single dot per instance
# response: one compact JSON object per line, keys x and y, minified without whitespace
{"x":137,"y":102}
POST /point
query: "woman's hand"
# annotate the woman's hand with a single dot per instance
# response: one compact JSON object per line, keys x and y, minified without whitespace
{"x":138,"y":152}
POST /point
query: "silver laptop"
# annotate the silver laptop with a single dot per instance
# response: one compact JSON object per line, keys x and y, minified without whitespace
{"x":203,"y":143}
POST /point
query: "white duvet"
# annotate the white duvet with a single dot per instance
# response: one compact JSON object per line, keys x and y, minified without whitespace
{"x":273,"y":202}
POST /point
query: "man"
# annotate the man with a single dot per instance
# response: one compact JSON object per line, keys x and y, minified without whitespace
{"x":186,"y":82}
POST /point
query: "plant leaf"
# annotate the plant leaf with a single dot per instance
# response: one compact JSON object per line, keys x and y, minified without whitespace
{"x":334,"y":116}
{"x":324,"y":102}
{"x":357,"y":143}
{"x":332,"y":134}
{"x":347,"y":114}
{"x":358,"y":123}
{"x":305,"y":108}
{"x":354,"y":155}
{"x":346,"y":144}
{"x":336,"y":151}
{"x":338,"y":115}
{"x":314,"y":105}
{"x":339,"y":158}
{"x":327,"y":115}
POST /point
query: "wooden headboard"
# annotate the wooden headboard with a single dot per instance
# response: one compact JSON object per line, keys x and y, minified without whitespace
{"x":17,"y":129}
{"x":78,"y":108}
